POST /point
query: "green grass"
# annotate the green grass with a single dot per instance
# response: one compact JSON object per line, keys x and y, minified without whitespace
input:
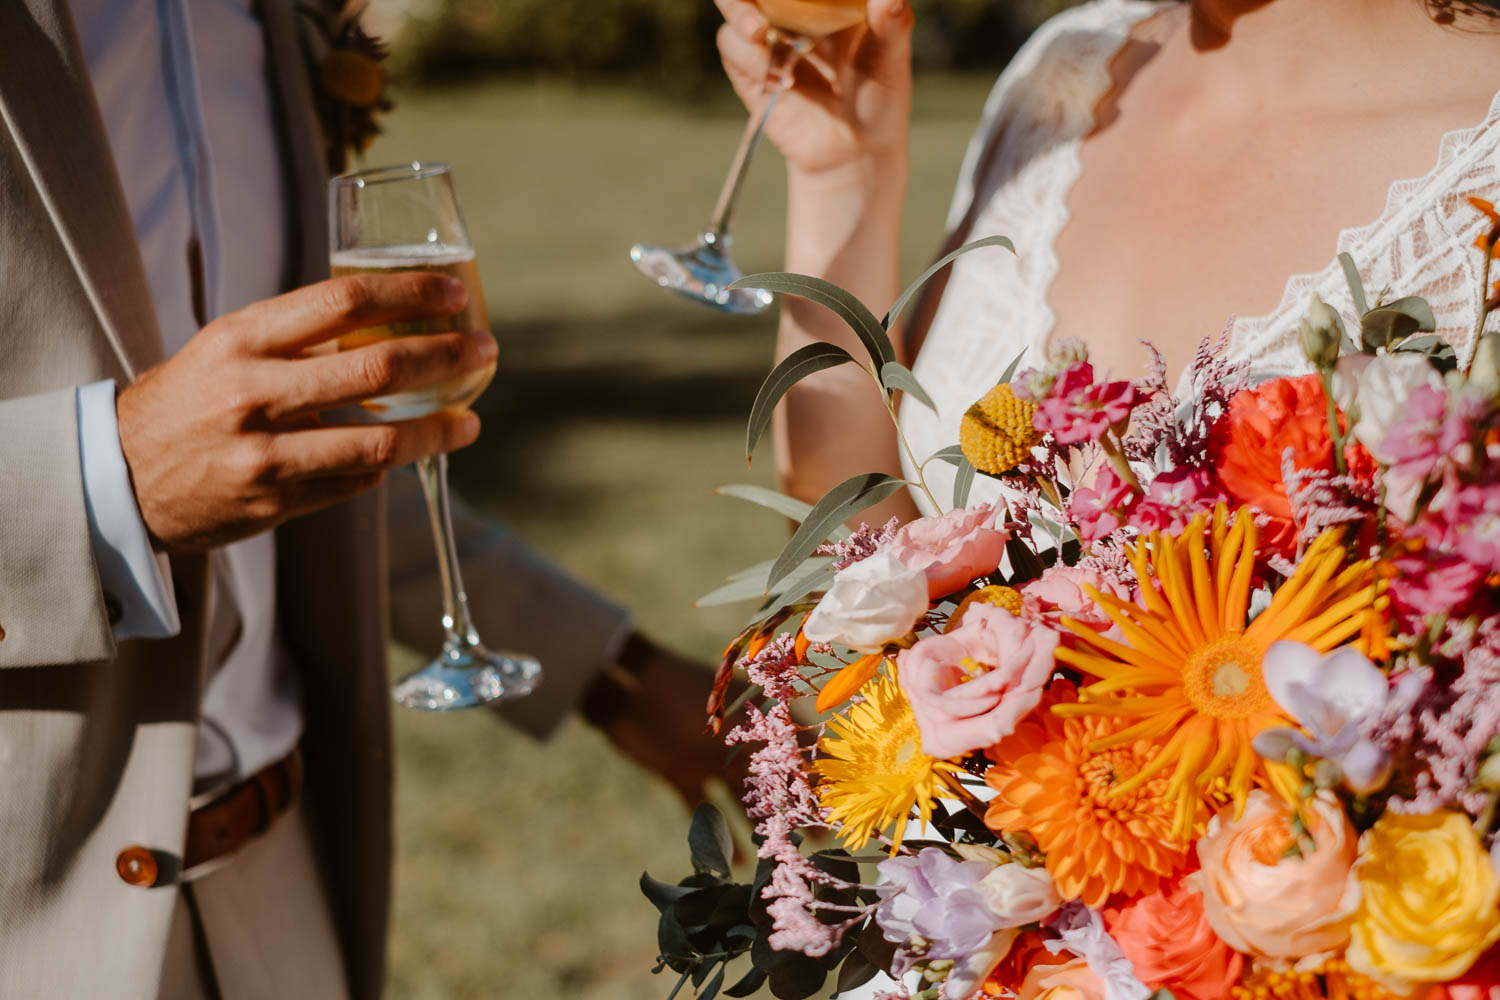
{"x":617,"y":410}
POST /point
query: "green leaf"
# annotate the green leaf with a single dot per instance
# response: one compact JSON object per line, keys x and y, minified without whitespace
{"x":661,"y":894}
{"x":1010,"y":369}
{"x":817,"y":578}
{"x":779,"y":502}
{"x":840,"y":503}
{"x":895,"y":376}
{"x":1387,"y":325}
{"x":712,"y":989}
{"x":1023,"y":561}
{"x":1356,"y":286}
{"x":963,"y":482}
{"x":953,"y":455}
{"x":855,"y":972}
{"x":1434,"y":348}
{"x":916,"y":286}
{"x":827,"y":294}
{"x":709,"y":841}
{"x":747,"y":985}
{"x":795,"y":367}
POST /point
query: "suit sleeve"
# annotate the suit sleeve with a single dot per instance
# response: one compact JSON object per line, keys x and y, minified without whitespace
{"x":518,"y":599}
{"x":52,"y":608}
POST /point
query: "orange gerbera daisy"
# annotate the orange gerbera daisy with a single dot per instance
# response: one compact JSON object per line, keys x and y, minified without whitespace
{"x":1189,"y":668}
{"x":1050,"y":782}
{"x":1333,"y":981}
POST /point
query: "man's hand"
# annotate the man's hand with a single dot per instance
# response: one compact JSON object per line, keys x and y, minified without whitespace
{"x":651,"y":707}
{"x":223,"y":439}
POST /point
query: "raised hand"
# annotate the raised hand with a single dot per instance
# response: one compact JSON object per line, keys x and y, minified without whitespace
{"x":223,"y":440}
{"x":851,"y":96}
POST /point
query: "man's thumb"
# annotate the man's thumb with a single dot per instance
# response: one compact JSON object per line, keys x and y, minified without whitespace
{"x":891,"y":21}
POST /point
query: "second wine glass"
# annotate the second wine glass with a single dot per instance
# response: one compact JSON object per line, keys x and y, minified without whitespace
{"x":407,"y":218}
{"x":704,"y":270}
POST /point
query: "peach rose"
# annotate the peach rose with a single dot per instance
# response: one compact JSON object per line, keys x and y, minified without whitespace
{"x":951,"y":550}
{"x":1071,"y":981}
{"x":968,"y":688}
{"x":1171,"y":944}
{"x":1266,"y":904}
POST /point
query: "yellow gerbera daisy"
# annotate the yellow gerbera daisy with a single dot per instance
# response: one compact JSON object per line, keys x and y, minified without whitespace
{"x":871,"y":769}
{"x":1190,"y":666}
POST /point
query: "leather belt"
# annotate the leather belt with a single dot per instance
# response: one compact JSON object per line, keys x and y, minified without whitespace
{"x":230,"y":818}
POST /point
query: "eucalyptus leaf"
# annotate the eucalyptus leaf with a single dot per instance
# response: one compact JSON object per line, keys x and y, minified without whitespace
{"x":894,"y":375}
{"x":855,"y":972}
{"x":661,"y":894}
{"x":963,"y":482}
{"x":831,"y":296}
{"x":916,"y":286}
{"x":734,"y":591}
{"x":1387,"y":325}
{"x":818,"y":578}
{"x":779,"y":502}
{"x":840,"y":503}
{"x":795,"y":367}
{"x":1356,"y":285}
{"x":1010,"y":369}
{"x":748,"y":984}
{"x":712,"y":989}
{"x":709,"y":841}
{"x":953,"y":455}
{"x":1434,"y":348}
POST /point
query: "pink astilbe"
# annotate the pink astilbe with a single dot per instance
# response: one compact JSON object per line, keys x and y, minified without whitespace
{"x":860,"y":545}
{"x":1168,"y":434}
{"x":1321,"y":500}
{"x":1446,"y":731}
{"x":776,"y":669}
{"x":780,"y":799}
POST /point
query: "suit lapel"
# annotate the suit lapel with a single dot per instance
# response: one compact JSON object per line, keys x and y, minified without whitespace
{"x":47,"y":103}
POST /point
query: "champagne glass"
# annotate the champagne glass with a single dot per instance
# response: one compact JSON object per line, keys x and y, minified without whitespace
{"x":406,"y":218}
{"x":704,"y":271}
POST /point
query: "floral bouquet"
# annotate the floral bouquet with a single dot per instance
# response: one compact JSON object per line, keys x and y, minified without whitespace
{"x":1206,"y":705}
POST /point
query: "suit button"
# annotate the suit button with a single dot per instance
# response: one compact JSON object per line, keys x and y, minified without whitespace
{"x":137,"y":866}
{"x":113,"y":609}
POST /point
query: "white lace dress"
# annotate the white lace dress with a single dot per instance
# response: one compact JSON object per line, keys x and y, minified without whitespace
{"x":1016,"y":175}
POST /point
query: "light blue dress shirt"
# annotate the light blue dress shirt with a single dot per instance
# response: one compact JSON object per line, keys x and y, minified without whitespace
{"x":183,"y":90}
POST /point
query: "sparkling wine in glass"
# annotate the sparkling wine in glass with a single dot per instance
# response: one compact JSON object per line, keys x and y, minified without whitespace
{"x":704,"y":271}
{"x":406,"y":218}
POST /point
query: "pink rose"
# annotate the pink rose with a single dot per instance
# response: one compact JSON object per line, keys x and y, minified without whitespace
{"x":1267,"y":904}
{"x":1059,"y":591}
{"x":970,"y":687}
{"x":951,"y":550}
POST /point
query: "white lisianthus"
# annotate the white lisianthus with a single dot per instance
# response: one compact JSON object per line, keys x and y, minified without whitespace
{"x":870,"y":603}
{"x":1384,"y":385}
{"x":1019,"y":895}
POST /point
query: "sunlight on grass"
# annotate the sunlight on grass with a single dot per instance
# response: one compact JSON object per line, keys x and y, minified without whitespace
{"x":616,"y":411}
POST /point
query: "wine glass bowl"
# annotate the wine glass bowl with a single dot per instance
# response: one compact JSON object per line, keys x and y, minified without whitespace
{"x":814,"y":19}
{"x":400,"y":219}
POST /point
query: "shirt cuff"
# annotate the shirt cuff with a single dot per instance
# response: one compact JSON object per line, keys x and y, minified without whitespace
{"x":136,"y":577}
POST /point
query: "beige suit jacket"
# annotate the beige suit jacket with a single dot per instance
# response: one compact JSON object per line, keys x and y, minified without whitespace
{"x":97,"y":739}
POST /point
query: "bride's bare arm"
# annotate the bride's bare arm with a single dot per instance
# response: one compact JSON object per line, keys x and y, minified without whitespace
{"x":843,"y":132}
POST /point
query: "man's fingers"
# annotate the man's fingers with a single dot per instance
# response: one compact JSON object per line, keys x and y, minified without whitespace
{"x":329,"y":381}
{"x":366,"y":449}
{"x":290,"y":323}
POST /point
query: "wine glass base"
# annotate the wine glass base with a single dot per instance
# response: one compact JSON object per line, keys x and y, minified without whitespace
{"x":702,"y":273}
{"x":466,"y":677}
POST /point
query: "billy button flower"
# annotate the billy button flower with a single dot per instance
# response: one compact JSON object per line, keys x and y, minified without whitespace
{"x":997,"y":433}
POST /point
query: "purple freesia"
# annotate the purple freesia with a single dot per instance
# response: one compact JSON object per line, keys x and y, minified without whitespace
{"x":1080,"y":930}
{"x":930,"y":907}
{"x":1330,"y":697}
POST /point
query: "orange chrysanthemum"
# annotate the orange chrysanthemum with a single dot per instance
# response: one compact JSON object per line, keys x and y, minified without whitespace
{"x":1248,"y":442}
{"x":1189,"y":668}
{"x":1050,"y":782}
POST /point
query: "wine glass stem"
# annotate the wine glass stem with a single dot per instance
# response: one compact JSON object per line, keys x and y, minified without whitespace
{"x":433,"y":471}
{"x":785,"y":50}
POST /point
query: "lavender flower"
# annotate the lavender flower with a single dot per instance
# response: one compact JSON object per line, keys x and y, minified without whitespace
{"x":1331,"y":697}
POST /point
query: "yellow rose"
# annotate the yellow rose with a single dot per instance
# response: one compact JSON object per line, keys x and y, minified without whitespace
{"x":1430,"y":899}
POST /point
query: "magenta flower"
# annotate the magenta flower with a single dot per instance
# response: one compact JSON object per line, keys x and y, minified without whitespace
{"x":1173,"y":498}
{"x":1432,"y":585}
{"x":1078,"y":409}
{"x":1099,"y":510}
{"x":1469,"y":525}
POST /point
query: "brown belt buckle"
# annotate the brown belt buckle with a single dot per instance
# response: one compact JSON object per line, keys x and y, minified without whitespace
{"x":223,"y":821}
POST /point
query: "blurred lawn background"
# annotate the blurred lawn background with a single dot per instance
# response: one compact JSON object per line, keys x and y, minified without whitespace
{"x":617,"y":410}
